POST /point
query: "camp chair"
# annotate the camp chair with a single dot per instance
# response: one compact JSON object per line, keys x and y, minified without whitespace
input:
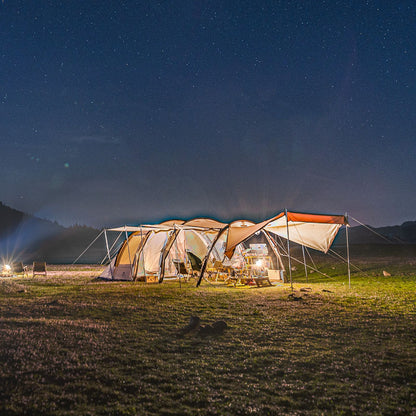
{"x":232,"y":276}
{"x":196,"y":262}
{"x":181,"y":269}
{"x":220,"y":271}
{"x":39,"y":267}
{"x":196,"y":265}
{"x":19,"y":268}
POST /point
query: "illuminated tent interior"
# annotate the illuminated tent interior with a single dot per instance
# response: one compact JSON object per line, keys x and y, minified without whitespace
{"x":152,"y":252}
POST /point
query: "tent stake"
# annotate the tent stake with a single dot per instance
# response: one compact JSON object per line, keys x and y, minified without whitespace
{"x":348,"y":253}
{"x":304,"y":262}
{"x":288,"y":250}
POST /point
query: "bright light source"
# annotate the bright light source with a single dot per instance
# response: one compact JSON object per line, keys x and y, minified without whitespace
{"x":7,"y":267}
{"x":259,"y":263}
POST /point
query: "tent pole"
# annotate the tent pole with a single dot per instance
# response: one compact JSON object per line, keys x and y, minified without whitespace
{"x":138,"y":255}
{"x":128,"y":250}
{"x":144,"y":266}
{"x":304,"y":262}
{"x":108,"y":253}
{"x":177,"y":253}
{"x":206,"y":258}
{"x":166,"y":251}
{"x":348,"y":253}
{"x":185,"y":260}
{"x":275,"y":249}
{"x":162,"y":257}
{"x":288,"y":250}
{"x":112,"y":246}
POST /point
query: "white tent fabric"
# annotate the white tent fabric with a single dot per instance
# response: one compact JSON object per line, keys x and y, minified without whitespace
{"x":152,"y":251}
{"x":313,"y":235}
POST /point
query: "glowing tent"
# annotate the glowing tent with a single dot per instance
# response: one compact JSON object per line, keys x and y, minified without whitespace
{"x":149,"y":252}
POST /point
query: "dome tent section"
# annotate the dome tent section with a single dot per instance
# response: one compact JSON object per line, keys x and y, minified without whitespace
{"x":149,"y":251}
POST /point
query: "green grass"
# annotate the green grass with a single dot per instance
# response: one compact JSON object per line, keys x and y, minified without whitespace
{"x":78,"y":346}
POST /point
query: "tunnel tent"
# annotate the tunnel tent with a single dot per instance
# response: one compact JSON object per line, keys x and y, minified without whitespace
{"x":149,"y":250}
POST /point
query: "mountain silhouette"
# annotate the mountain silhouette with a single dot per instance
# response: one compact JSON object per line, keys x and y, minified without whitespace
{"x":397,"y":234}
{"x":24,"y":237}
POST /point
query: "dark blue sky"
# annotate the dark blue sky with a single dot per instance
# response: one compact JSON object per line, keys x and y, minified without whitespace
{"x":136,"y":111}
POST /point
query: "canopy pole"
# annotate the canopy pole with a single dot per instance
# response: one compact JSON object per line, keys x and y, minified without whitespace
{"x":304,"y":262}
{"x":108,"y":254}
{"x":348,"y":252}
{"x":288,"y":250}
{"x":128,"y":250}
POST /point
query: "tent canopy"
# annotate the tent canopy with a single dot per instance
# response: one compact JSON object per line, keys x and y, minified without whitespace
{"x":315,"y":231}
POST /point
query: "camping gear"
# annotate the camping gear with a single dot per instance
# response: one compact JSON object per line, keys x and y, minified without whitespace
{"x":39,"y":267}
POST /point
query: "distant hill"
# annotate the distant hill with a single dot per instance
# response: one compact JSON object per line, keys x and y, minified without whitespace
{"x":13,"y":222}
{"x":24,"y":237}
{"x":398,"y":234}
{"x":405,"y":233}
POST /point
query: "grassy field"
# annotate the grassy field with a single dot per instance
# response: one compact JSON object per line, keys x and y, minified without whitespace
{"x":73,"y":345}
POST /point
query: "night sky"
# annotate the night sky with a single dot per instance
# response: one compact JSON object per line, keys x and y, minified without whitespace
{"x":116,"y":112}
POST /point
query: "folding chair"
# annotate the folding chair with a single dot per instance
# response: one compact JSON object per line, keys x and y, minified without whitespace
{"x":233,"y":276}
{"x":181,"y":270}
{"x":220,"y":271}
{"x":196,"y":265}
{"x":39,"y":267}
{"x":196,"y":262}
